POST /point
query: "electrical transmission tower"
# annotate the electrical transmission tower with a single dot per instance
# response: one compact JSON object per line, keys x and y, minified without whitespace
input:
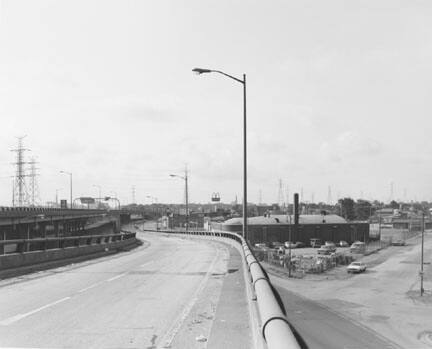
{"x":20,"y":195}
{"x":260,"y":197}
{"x":34,"y":195}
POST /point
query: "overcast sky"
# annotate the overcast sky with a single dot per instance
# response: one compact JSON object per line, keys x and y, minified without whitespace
{"x":338,"y":95}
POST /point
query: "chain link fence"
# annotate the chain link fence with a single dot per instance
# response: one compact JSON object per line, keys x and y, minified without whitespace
{"x":302,"y":264}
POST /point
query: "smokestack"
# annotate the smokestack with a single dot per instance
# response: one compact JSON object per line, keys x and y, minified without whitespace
{"x":296,"y":208}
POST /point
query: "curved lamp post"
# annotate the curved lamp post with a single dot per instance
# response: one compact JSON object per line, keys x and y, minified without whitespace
{"x":70,"y":176}
{"x":185,"y":178}
{"x":200,"y":71}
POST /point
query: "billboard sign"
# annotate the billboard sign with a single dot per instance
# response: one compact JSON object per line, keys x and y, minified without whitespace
{"x":87,"y":200}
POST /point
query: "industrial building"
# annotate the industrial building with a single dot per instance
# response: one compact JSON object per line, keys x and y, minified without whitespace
{"x":277,"y":228}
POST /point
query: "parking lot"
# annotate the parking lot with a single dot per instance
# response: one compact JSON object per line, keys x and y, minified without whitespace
{"x":385,"y":298}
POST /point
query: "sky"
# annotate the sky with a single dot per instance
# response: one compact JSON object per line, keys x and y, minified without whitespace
{"x":337,"y":97}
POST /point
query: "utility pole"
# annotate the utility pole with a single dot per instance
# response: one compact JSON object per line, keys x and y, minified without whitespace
{"x":186,"y":198}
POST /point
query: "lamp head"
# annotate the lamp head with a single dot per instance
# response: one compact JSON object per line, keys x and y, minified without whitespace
{"x":201,"y":71}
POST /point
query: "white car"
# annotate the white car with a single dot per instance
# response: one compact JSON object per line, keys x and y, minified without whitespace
{"x":356,"y":267}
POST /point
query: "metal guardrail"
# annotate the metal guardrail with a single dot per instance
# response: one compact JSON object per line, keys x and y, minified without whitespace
{"x":21,"y":212}
{"x":25,"y":245}
{"x":276,"y":330}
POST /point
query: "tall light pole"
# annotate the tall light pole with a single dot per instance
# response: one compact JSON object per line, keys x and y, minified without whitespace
{"x":422,"y":252}
{"x":185,"y":178}
{"x":243,"y":82}
{"x":70,"y":177}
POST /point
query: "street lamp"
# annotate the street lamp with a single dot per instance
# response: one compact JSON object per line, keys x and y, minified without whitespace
{"x":422,"y":255}
{"x":200,"y":71}
{"x":70,"y":177}
{"x":185,"y":178}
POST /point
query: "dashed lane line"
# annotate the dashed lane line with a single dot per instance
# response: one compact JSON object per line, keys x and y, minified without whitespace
{"x":18,"y":317}
{"x":116,"y":277}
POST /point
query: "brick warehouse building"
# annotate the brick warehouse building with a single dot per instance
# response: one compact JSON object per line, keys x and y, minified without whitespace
{"x":276,"y":228}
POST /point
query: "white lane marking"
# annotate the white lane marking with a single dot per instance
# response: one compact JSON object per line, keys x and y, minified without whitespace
{"x":29,"y":348}
{"x":18,"y":317}
{"x":116,"y":277}
{"x":171,"y":333}
{"x":89,"y":287}
{"x":146,"y":263}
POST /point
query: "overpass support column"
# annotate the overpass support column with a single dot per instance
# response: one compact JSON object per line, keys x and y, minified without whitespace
{"x":3,"y":235}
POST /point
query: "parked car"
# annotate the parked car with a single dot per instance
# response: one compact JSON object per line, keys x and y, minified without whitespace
{"x":398,"y":242}
{"x":324,"y":249}
{"x":358,"y":247}
{"x":343,"y":243}
{"x":356,"y":267}
{"x":289,"y":244}
{"x":315,"y":243}
{"x":260,"y":245}
{"x":276,"y":244}
{"x":331,"y":245}
{"x":300,"y":244}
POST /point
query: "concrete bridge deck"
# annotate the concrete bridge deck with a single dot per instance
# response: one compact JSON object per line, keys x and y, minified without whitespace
{"x":163,"y":294}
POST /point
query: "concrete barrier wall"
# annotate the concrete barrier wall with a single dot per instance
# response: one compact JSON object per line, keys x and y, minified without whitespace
{"x":17,"y":260}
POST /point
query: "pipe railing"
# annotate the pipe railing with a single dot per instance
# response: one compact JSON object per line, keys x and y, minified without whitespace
{"x":43,"y":243}
{"x":275,"y":327}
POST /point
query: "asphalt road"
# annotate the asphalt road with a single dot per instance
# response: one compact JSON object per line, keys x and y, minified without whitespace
{"x":319,"y":327}
{"x":162,"y":294}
